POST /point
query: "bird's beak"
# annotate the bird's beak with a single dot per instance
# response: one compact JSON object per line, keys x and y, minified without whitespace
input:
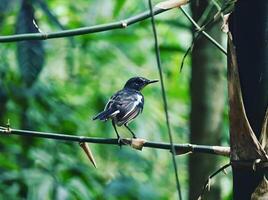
{"x":152,"y":81}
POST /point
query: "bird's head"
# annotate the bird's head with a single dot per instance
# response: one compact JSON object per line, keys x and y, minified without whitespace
{"x":138,"y":83}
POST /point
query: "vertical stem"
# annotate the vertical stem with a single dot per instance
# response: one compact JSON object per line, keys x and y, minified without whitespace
{"x":249,"y":28}
{"x":157,"y":53}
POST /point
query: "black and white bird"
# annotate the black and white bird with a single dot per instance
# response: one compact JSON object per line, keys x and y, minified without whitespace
{"x":126,"y":104}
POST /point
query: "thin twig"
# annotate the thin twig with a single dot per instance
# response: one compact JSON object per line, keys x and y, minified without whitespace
{"x":180,"y":148}
{"x":82,"y":31}
{"x":207,"y":184}
{"x":43,"y":5}
{"x":157,"y":52}
{"x":199,"y":29}
{"x":190,"y":48}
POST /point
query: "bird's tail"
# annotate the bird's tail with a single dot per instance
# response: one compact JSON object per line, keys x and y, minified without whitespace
{"x":104,"y":115}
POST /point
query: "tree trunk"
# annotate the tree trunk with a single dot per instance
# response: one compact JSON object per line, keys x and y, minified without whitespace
{"x":207,"y":103}
{"x":249,"y":29}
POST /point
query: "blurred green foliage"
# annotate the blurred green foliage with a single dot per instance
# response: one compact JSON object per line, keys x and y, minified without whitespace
{"x":58,"y":85}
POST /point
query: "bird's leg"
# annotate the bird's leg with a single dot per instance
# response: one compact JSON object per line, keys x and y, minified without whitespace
{"x":133,"y":134}
{"x":118,"y":136}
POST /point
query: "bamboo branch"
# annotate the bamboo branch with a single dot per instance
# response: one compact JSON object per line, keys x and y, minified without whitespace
{"x":82,"y":31}
{"x":101,"y":28}
{"x":180,"y":148}
{"x":199,"y":29}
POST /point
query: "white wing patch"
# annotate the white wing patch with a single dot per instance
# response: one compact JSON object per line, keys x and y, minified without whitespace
{"x":114,"y":113}
{"x":139,"y":98}
{"x":135,"y":104}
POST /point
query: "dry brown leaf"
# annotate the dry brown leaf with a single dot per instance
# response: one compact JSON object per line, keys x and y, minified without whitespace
{"x":171,"y":4}
{"x":180,"y":152}
{"x":225,"y":26}
{"x":137,"y":143}
{"x":244,"y":144}
{"x":209,"y":184}
{"x":260,"y":192}
{"x":264,"y":133}
{"x":88,"y":152}
{"x":257,"y":161}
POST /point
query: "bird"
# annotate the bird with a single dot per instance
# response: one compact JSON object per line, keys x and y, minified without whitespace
{"x":125,"y":105}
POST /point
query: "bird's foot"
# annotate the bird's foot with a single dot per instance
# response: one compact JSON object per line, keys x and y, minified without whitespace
{"x":120,"y":142}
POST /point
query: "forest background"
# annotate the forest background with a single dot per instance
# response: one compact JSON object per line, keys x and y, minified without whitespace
{"x":74,"y":79}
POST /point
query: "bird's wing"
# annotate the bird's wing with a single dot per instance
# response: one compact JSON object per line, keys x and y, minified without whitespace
{"x":104,"y":115}
{"x":123,"y":106}
{"x":129,"y":104}
{"x":129,"y":115}
{"x":110,"y":109}
{"x":119,"y":98}
{"x":113,"y":101}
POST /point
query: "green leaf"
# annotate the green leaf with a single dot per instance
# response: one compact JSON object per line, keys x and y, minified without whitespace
{"x":119,"y":4}
{"x":79,"y":189}
{"x":4,"y":8}
{"x":30,"y":54}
